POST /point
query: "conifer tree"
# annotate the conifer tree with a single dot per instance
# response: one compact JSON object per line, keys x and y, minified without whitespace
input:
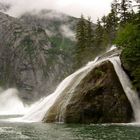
{"x":81,"y":33}
{"x":138,"y":5}
{"x":112,"y":22}
{"x":81,"y":41}
{"x":104,"y":20}
{"x":125,"y":10}
{"x":89,"y":33}
{"x":99,"y":34}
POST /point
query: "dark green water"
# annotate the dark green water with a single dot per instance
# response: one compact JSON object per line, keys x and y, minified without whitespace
{"x":40,"y":131}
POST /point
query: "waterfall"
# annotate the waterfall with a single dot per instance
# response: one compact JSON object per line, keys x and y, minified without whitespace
{"x":39,"y":109}
{"x":10,"y":103}
{"x":131,"y":94}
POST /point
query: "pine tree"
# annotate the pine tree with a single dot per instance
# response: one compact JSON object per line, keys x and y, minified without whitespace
{"x":115,"y":6}
{"x":104,"y":20}
{"x":99,"y":34}
{"x":81,"y":33}
{"x":138,"y":5}
{"x":81,"y":41}
{"x":112,"y":22}
{"x":89,"y":33}
{"x":125,"y":10}
{"x":85,"y":37}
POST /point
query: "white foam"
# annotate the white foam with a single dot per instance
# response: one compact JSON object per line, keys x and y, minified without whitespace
{"x":10,"y":103}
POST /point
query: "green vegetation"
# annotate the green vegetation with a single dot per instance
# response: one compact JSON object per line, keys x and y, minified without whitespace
{"x":99,"y":72}
{"x":91,"y":39}
{"x":88,"y":38}
{"x":121,"y":27}
{"x":129,"y":39}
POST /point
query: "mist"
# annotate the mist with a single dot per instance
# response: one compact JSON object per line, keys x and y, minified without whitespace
{"x":74,"y":8}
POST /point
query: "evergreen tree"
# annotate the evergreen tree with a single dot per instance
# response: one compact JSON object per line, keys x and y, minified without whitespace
{"x":85,"y":37}
{"x":81,"y":41}
{"x":104,"y":21}
{"x":115,"y":6}
{"x":112,"y":23}
{"x":99,"y":34}
{"x":89,"y":33}
{"x":106,"y":31}
{"x":125,"y":10}
{"x":138,"y":5}
{"x":81,"y":33}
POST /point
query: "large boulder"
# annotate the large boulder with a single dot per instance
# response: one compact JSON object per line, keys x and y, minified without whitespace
{"x":131,"y":64}
{"x":98,"y":98}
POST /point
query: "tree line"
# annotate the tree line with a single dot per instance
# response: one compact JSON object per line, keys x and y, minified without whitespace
{"x":105,"y":32}
{"x":121,"y":27}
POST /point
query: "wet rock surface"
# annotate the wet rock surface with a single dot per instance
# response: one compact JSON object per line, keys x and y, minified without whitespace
{"x":98,"y":98}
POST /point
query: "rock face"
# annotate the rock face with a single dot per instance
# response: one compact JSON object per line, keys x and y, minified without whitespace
{"x":98,"y":98}
{"x":27,"y":59}
{"x":59,"y":27}
{"x":23,"y":56}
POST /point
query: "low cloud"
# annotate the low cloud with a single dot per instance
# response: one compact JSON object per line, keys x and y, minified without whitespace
{"x":91,"y":8}
{"x":67,"y":32}
{"x":49,"y":33}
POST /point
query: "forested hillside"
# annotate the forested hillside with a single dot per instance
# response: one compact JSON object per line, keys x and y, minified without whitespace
{"x":121,"y":27}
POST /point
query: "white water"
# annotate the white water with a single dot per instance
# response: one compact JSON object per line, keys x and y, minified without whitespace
{"x":113,"y":47}
{"x":10,"y":103}
{"x":131,"y":94}
{"x":38,"y":110}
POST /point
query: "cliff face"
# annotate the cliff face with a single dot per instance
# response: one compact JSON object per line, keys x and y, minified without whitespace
{"x":27,"y":42}
{"x":22,"y":54}
{"x":98,"y":98}
{"x":58,"y":26}
{"x":27,"y":59}
{"x":61,"y":29}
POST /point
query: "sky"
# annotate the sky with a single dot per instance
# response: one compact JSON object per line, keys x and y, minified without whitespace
{"x":93,"y":8}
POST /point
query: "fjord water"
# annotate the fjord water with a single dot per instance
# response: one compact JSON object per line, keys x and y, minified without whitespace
{"x":39,"y":131}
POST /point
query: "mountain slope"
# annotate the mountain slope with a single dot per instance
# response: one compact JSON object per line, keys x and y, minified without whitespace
{"x":59,"y":27}
{"x":27,"y":59}
{"x":22,"y":54}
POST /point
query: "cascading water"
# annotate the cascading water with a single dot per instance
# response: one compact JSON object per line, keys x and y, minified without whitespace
{"x":40,"y":109}
{"x":127,"y":86}
{"x":10,"y":103}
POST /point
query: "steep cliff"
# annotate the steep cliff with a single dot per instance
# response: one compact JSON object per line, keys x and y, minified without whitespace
{"x":22,"y":54}
{"x":59,"y":27}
